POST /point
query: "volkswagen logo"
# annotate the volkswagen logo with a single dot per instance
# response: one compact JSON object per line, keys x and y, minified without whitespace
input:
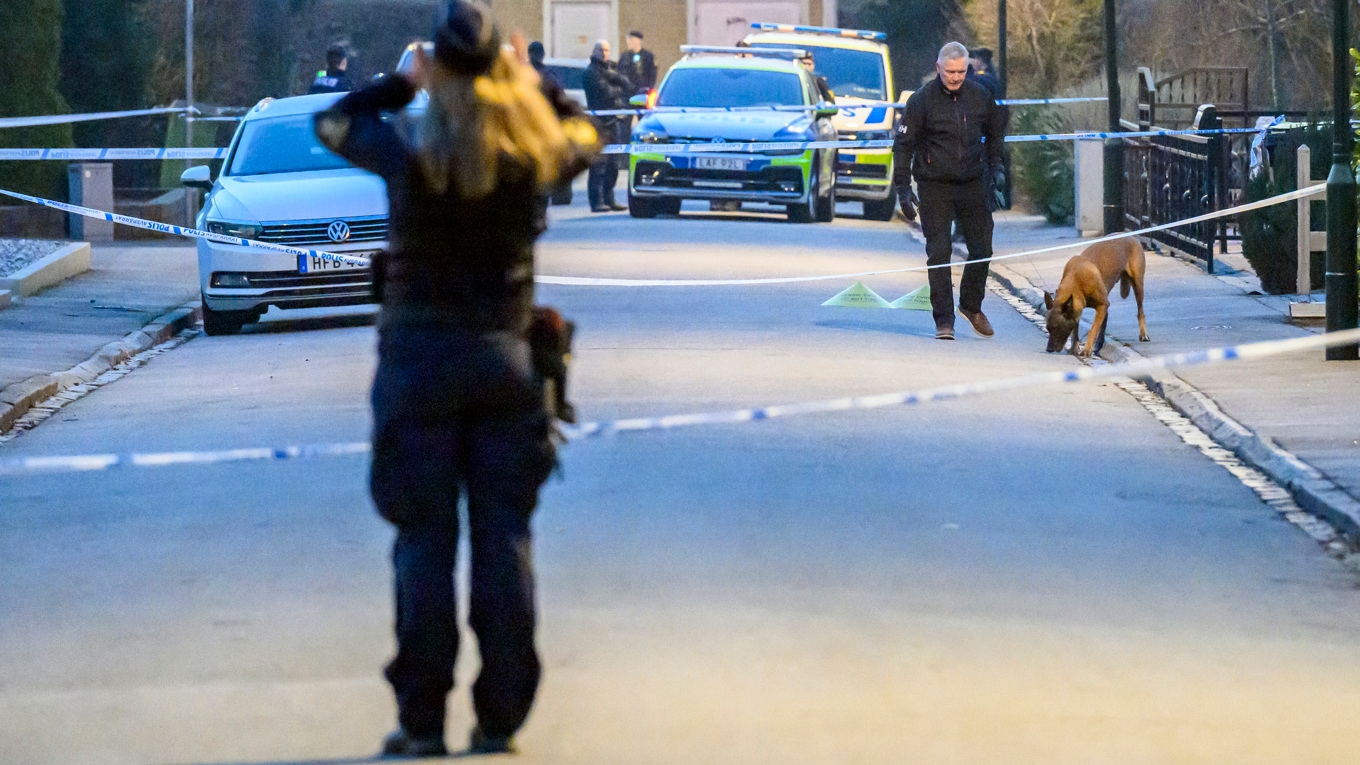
{"x":338,"y":231}
{"x":719,"y":139}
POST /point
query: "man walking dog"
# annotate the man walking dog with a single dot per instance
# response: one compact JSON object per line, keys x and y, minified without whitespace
{"x":949,"y":139}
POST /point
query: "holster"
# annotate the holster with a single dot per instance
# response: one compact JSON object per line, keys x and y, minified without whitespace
{"x":549,"y":338}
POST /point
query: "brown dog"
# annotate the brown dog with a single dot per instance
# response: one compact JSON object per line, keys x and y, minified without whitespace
{"x":1086,"y":282}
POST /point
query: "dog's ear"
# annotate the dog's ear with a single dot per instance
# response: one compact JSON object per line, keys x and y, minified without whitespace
{"x":1048,"y":300}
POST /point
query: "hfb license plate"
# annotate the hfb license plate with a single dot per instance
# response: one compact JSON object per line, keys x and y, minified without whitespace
{"x":311,"y":264}
{"x":720,"y":163}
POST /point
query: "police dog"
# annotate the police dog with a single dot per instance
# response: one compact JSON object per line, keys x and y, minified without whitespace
{"x":1086,"y":282}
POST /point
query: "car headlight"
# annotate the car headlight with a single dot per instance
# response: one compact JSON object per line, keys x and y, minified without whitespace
{"x":651,"y":136}
{"x":235,"y":228}
{"x":867,"y":135}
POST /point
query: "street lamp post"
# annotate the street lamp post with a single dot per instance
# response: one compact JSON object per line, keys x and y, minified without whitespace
{"x":1341,"y":280}
{"x":1001,"y":44}
{"x":1114,"y":150}
{"x":189,"y":196}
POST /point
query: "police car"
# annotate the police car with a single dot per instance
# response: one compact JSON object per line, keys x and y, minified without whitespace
{"x":279,"y":184}
{"x":710,"y":79}
{"x":856,"y":65}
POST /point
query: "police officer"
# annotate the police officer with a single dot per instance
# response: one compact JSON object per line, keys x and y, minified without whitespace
{"x":457,"y":406}
{"x":334,"y":79}
{"x":637,"y":64}
{"x":606,"y":89}
{"x":940,"y":142}
{"x":823,"y":89}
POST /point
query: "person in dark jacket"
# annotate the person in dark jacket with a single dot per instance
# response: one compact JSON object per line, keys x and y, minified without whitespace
{"x":606,"y":89}
{"x":823,"y":89}
{"x":457,"y":405}
{"x":637,"y":64}
{"x":950,"y":140}
{"x":334,"y":79}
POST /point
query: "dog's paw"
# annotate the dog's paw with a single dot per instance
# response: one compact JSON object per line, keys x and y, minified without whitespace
{"x":1143,"y":338}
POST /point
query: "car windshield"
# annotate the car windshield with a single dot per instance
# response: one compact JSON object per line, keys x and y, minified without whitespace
{"x":730,"y":87}
{"x":570,"y":77}
{"x":281,"y":145}
{"x":856,"y":73}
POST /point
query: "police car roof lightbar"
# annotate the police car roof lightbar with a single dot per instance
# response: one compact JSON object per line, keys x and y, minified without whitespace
{"x":862,"y":34}
{"x":791,"y":54}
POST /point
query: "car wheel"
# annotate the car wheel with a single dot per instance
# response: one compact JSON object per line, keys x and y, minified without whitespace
{"x":639,"y":207}
{"x":806,"y":212}
{"x":826,"y":207}
{"x":217,"y":323}
{"x":667,"y":206}
{"x":562,"y":194}
{"x":881,"y":209}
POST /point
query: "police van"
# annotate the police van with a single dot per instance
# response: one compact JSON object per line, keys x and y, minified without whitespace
{"x":855,"y":64}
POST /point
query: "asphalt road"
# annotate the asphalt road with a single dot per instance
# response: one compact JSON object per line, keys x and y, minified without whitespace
{"x":1048,"y":575}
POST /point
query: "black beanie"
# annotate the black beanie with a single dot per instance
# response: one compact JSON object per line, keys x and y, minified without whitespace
{"x":467,"y":42}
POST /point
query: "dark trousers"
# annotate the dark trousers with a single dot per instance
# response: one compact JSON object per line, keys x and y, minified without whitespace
{"x":941,"y":204}
{"x":604,"y":171}
{"x":460,"y":414}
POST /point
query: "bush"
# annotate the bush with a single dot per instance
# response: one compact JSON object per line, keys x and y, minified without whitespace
{"x":30,"y":37}
{"x":1270,"y":235}
{"x":1044,"y":169}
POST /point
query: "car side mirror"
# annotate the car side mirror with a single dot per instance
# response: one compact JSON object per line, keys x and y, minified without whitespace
{"x":197,"y":177}
{"x":640,"y":101}
{"x":827,"y":110}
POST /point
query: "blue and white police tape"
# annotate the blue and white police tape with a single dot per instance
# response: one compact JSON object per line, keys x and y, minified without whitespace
{"x":815,"y":107}
{"x":585,"y":281}
{"x":192,"y":233}
{"x":110,"y":154}
{"x":589,"y":281}
{"x":94,"y":462}
{"x":63,"y":119}
{"x":796,"y":146}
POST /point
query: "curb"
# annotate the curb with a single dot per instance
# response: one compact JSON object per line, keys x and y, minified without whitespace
{"x":1312,"y":490}
{"x":18,"y":398}
{"x":70,"y":260}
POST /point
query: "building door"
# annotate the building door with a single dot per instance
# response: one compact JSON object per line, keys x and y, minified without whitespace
{"x":576,"y":26}
{"x":725,"y":22}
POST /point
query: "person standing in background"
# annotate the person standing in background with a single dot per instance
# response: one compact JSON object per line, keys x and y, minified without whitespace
{"x":638,"y":64}
{"x":334,"y":79}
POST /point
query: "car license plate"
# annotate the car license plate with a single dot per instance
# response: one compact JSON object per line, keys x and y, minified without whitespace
{"x":311,"y":264}
{"x":720,"y":163}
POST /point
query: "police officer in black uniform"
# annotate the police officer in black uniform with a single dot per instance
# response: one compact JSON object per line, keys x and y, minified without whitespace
{"x":334,"y":79}
{"x":457,"y":406}
{"x":824,"y":90}
{"x":637,"y":64}
{"x":940,"y":142}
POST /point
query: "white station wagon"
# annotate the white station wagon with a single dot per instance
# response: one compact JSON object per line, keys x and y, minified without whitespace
{"x":279,"y":184}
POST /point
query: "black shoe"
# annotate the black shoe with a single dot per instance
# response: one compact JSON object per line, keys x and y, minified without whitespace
{"x":401,"y":745}
{"x":480,"y":743}
{"x":616,"y":207}
{"x":601,"y":208}
{"x":944,"y":332}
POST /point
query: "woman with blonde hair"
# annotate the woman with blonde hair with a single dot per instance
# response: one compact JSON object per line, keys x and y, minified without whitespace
{"x":457,"y":406}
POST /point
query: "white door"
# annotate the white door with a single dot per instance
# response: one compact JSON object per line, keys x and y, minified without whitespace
{"x":725,"y":22}
{"x":576,"y":27}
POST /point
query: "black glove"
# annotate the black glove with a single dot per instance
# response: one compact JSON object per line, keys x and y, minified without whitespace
{"x":907,"y":201}
{"x":999,"y":188}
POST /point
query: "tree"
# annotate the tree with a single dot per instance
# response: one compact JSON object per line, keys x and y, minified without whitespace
{"x":1053,"y":44}
{"x":30,"y":39}
{"x":916,"y":30}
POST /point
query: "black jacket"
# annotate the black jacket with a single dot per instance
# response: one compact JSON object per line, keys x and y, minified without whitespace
{"x":605,"y":87}
{"x":331,"y":82}
{"x":639,"y":69}
{"x":465,"y":263}
{"x":940,"y":135}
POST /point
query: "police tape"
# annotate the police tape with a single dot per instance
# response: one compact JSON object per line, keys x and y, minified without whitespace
{"x":815,"y":107}
{"x":191,"y":233}
{"x":586,"y":281}
{"x":590,"y":281}
{"x":799,"y":146}
{"x":1251,"y":351}
{"x":110,"y":154}
{"x":62,"y":119}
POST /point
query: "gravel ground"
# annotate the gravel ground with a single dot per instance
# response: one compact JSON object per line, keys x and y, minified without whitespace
{"x":18,"y":254}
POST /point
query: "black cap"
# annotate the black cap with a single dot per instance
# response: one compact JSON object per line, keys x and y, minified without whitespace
{"x":536,"y":52}
{"x":467,"y":42}
{"x":983,"y":54}
{"x":636,"y":34}
{"x":335,"y":54}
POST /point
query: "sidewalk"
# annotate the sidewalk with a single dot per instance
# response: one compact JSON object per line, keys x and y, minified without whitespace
{"x":128,"y":301}
{"x":1304,"y":404}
